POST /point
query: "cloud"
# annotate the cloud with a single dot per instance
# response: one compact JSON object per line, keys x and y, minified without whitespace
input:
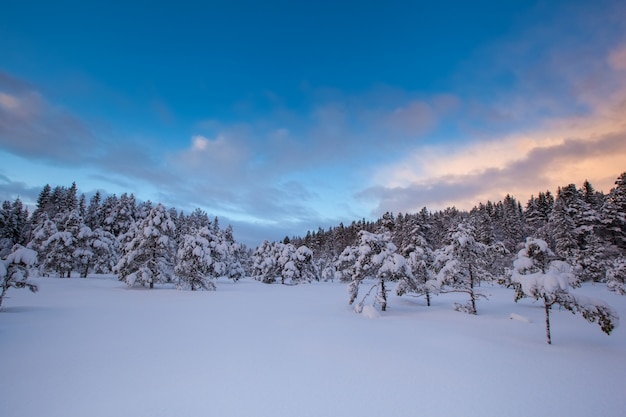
{"x":10,"y":190}
{"x":223,"y":160}
{"x":558,"y":150}
{"x":412,"y":118}
{"x":31,"y":127}
{"x":617,"y":59}
{"x":599,"y":160}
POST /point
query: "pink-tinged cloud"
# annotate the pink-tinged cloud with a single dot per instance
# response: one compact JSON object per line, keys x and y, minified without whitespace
{"x":556,"y":151}
{"x":31,"y":127}
{"x":617,"y":59}
{"x":573,"y":160}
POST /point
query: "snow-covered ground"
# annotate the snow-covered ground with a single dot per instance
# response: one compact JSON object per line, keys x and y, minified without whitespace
{"x":95,"y":347}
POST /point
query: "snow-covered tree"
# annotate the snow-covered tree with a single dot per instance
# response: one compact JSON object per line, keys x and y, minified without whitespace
{"x":148,"y":256}
{"x":298,"y":267}
{"x":119,"y":214}
{"x":510,"y":222}
{"x":14,"y":270}
{"x":59,"y":249}
{"x":236,"y":255}
{"x":14,"y":225}
{"x":226,"y":253}
{"x":96,"y":250}
{"x":374,"y":257}
{"x":194,"y":264}
{"x":614,"y":213}
{"x":463,"y":263}
{"x":421,"y":262}
{"x":538,"y":210}
{"x":536,"y":275}
{"x":264,"y":266}
{"x":277,"y":260}
{"x":94,"y":216}
{"x":616,"y":276}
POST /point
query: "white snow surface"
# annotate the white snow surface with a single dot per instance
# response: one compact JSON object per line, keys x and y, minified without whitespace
{"x":96,"y":347}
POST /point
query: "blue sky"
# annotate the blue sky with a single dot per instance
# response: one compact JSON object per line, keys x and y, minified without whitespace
{"x":280,"y":117}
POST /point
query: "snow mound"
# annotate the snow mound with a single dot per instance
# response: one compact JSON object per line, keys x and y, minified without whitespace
{"x":370,"y":312}
{"x":518,"y":317}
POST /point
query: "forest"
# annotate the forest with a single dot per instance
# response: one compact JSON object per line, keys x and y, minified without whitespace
{"x":541,"y":249}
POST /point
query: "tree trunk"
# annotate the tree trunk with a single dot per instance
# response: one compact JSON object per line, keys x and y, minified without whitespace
{"x":151,"y":284}
{"x":383,"y":296}
{"x":471,"y":290}
{"x":4,"y":290}
{"x":428,"y":298}
{"x":547,"y":308}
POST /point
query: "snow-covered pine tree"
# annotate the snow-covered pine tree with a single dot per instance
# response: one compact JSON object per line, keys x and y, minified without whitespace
{"x":226,"y":253}
{"x":83,"y":254}
{"x":94,"y":217}
{"x":463,"y":263}
{"x":43,"y":204}
{"x":41,"y":233}
{"x":236,"y":255}
{"x":148,"y":256}
{"x":14,"y":225}
{"x":119,"y":214}
{"x":264,"y":263}
{"x":616,"y":275}
{"x":374,"y":257}
{"x":59,"y":249}
{"x":563,"y":227}
{"x":420,"y":259}
{"x":538,"y":210}
{"x":194,"y":261}
{"x":613,"y":213}
{"x":297,"y":264}
{"x":537,"y":275}
{"x":96,"y":250}
{"x":277,"y":260}
{"x":510,"y":222}
{"x":14,"y":270}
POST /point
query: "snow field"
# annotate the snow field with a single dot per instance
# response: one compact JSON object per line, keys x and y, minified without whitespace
{"x":95,"y":347}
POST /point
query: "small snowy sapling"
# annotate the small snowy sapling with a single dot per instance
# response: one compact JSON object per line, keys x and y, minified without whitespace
{"x":14,"y":270}
{"x":537,"y":275}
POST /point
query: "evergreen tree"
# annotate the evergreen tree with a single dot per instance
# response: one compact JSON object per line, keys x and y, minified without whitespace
{"x":510,"y":222}
{"x":82,"y":206}
{"x":96,"y":250}
{"x":277,"y":260}
{"x":264,"y":263}
{"x":59,"y":249}
{"x":463,"y":263}
{"x":148,"y":256}
{"x":616,"y":276}
{"x":538,"y":211}
{"x":43,"y":204}
{"x":562,"y":230}
{"x":194,"y":261}
{"x":374,"y":257}
{"x":420,"y":259}
{"x":235,"y":255}
{"x":15,"y":224}
{"x":537,"y":275}
{"x":120,"y":214}
{"x":94,"y":215}
{"x":614,"y":214}
{"x":14,"y":270}
{"x":43,"y":231}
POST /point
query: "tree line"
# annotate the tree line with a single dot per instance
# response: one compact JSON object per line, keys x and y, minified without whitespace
{"x":554,"y":242}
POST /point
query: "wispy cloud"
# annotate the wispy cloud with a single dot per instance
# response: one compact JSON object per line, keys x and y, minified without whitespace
{"x":32,"y":127}
{"x":569,"y":144}
{"x":10,"y":190}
